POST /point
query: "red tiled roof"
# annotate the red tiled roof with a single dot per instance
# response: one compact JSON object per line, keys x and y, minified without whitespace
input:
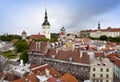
{"x":38,"y":46}
{"x":52,"y":79}
{"x":35,"y":65}
{"x":114,"y":58}
{"x":68,"y":78}
{"x":86,"y":40}
{"x":31,"y":78}
{"x":65,"y":55}
{"x":54,"y":72}
{"x":9,"y":77}
{"x":112,"y":55}
{"x":117,"y":61}
{"x":37,"y":36}
{"x":50,"y":52}
{"x":39,"y":68}
{"x":99,"y":54}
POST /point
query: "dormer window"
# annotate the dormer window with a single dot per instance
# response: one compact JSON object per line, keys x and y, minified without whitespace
{"x":70,"y":59}
{"x":53,"y":56}
{"x":103,"y":64}
{"x":98,"y":64}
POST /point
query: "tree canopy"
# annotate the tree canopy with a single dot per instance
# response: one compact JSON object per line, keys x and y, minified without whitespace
{"x":9,"y":37}
{"x":21,"y":45}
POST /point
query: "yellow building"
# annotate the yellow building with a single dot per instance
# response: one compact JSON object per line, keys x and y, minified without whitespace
{"x":69,"y":45}
{"x":101,"y":70}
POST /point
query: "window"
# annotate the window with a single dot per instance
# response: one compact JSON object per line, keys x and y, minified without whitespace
{"x":107,"y":70}
{"x":93,"y":69}
{"x":101,"y":75}
{"x":107,"y":76}
{"x":97,"y":80}
{"x":101,"y":69}
{"x":101,"y":80}
{"x":107,"y":80}
{"x":93,"y":75}
{"x":93,"y":80}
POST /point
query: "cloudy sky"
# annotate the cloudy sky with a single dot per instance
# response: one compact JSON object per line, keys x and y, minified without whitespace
{"x":74,"y":15}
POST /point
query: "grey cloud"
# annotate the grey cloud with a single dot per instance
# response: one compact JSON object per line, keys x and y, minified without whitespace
{"x":89,"y":9}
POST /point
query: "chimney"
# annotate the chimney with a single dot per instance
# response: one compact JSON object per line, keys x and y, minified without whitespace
{"x":47,"y":72}
{"x":26,"y":80}
{"x":36,"y":46}
{"x":21,"y":62}
{"x":81,"y":53}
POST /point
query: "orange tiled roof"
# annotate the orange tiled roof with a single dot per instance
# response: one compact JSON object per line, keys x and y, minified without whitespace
{"x":114,"y":58}
{"x":31,"y":78}
{"x":65,"y":55}
{"x":54,"y":72}
{"x":68,"y":78}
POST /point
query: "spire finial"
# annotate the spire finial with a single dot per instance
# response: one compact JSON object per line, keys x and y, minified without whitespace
{"x":99,"y":25}
{"x":46,"y":19}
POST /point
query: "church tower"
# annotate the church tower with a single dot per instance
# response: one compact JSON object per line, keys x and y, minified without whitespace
{"x":46,"y":27}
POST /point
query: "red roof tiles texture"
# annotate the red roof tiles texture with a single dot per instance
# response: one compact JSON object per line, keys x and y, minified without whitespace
{"x":68,"y":78}
{"x":38,"y":46}
{"x":65,"y":55}
{"x":37,"y":36}
{"x":114,"y":58}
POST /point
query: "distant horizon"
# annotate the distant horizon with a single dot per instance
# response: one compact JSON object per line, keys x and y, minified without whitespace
{"x":74,"y":15}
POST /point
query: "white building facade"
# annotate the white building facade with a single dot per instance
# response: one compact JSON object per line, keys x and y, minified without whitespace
{"x":101,"y":70}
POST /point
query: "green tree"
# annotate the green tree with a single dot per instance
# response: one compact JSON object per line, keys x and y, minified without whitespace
{"x":53,"y":40}
{"x":103,"y":38}
{"x":9,"y":37}
{"x":24,"y":56}
{"x":21,"y":45}
{"x":54,"y":35}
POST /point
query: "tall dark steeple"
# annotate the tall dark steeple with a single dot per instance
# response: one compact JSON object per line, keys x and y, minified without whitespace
{"x":46,"y":19}
{"x":99,"y":25}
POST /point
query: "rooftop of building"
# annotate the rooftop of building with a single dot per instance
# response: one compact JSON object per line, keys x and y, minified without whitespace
{"x":101,"y":62}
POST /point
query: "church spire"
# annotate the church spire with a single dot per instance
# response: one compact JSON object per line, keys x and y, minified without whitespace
{"x":99,"y":25}
{"x":45,"y":19}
